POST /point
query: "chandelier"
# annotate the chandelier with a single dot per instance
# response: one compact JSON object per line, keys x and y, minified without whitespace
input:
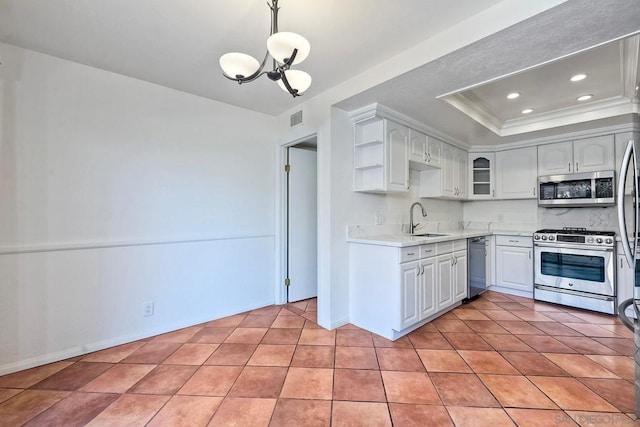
{"x":286,"y":49}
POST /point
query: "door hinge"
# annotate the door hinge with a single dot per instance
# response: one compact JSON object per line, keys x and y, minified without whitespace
{"x":287,"y":168}
{"x":287,"y":282}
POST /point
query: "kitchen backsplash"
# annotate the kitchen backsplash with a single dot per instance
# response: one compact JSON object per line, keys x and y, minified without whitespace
{"x":392,"y":210}
{"x":509,"y":213}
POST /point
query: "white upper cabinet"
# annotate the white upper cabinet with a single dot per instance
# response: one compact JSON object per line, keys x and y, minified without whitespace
{"x":417,"y":147}
{"x":555,"y":159}
{"x":581,"y":155}
{"x":424,"y":151}
{"x":449,"y":159}
{"x":449,"y":182}
{"x":381,"y":156}
{"x":397,"y":137}
{"x":434,"y":153}
{"x":594,"y":154}
{"x":482,"y":178}
{"x":516,"y":173}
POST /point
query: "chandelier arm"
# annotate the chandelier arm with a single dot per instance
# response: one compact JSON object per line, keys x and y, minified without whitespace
{"x":291,"y":90}
{"x":289,"y":62}
{"x":253,"y":76}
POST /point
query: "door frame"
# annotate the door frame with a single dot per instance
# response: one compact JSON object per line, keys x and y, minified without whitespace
{"x":281,"y":216}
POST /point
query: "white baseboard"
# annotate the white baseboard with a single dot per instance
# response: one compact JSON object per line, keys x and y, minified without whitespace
{"x":111,"y":342}
{"x":510,"y":291}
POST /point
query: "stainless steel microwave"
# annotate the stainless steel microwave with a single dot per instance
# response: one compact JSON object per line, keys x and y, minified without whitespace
{"x":577,"y":190}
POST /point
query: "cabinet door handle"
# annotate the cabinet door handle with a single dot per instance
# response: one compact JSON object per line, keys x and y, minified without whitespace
{"x":429,"y":155}
{"x":534,"y":191}
{"x":426,"y":157}
{"x":410,"y":253}
{"x":569,"y":166}
{"x":493,"y":193}
{"x":529,"y":254}
{"x":577,"y":167}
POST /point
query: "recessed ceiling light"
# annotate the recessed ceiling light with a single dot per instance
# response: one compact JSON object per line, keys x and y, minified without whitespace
{"x":578,"y":77}
{"x":585,"y":98}
{"x":527,"y":111}
{"x":513,"y":95}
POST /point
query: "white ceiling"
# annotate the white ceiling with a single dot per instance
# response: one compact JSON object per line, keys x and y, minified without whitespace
{"x":612,"y":75}
{"x":571,"y":27}
{"x":177,"y":44}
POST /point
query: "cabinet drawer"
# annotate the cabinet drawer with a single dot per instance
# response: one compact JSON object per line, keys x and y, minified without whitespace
{"x":459,"y":245}
{"x":444,"y":247}
{"x":451,"y":246}
{"x":410,"y":253}
{"x":520,"y":241}
{"x":427,"y":251}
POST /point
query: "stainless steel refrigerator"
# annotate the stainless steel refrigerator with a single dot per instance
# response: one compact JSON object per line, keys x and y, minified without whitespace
{"x":628,"y":221}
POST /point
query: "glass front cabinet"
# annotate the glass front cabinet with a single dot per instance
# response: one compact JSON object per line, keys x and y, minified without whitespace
{"x":482,"y":176}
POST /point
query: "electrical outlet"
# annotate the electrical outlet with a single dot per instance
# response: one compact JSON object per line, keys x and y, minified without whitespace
{"x":379,"y":219}
{"x":148,"y":308}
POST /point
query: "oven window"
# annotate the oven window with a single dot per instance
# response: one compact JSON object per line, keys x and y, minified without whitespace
{"x":572,"y":266}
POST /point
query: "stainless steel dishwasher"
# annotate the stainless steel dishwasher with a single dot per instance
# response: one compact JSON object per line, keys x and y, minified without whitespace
{"x":477,"y":267}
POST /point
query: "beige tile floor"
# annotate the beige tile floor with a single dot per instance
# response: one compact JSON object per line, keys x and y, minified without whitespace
{"x":498,"y":361}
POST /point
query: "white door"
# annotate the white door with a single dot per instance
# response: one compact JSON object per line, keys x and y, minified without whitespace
{"x":302,"y":234}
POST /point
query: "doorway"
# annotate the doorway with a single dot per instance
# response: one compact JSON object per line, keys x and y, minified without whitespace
{"x":301,"y":219}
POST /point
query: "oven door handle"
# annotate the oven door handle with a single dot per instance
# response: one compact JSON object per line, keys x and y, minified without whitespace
{"x":560,"y":246}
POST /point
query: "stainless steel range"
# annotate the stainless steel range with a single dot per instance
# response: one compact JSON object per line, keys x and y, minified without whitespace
{"x":575,"y":267}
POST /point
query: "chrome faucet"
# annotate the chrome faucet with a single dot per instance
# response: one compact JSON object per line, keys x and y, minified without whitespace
{"x":412,"y":225}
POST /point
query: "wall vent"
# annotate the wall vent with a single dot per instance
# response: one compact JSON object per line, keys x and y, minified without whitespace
{"x":296,"y":118}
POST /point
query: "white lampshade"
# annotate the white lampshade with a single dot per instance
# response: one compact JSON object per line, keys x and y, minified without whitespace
{"x":297,"y":80}
{"x":236,"y":64}
{"x":281,"y":46}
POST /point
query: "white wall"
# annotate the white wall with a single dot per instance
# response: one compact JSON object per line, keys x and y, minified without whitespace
{"x":114,"y":192}
{"x":352,"y":208}
{"x":318,"y":118}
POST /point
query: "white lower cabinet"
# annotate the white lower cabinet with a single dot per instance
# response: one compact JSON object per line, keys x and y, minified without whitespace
{"x":393,"y":291}
{"x":460,"y":275}
{"x":444,"y":292}
{"x":428,"y":280}
{"x":514,"y":263}
{"x":410,"y":311}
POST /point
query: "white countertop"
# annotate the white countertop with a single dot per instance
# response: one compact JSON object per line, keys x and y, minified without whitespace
{"x":403,"y":240}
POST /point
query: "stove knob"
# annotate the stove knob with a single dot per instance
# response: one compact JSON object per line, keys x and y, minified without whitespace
{"x":536,"y":237}
{"x":599,"y":240}
{"x":609,"y":241}
{"x":552,"y":238}
{"x":590,"y":240}
{"x":544,"y":237}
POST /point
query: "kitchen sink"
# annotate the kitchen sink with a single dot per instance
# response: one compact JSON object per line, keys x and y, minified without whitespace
{"x":430,"y":235}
